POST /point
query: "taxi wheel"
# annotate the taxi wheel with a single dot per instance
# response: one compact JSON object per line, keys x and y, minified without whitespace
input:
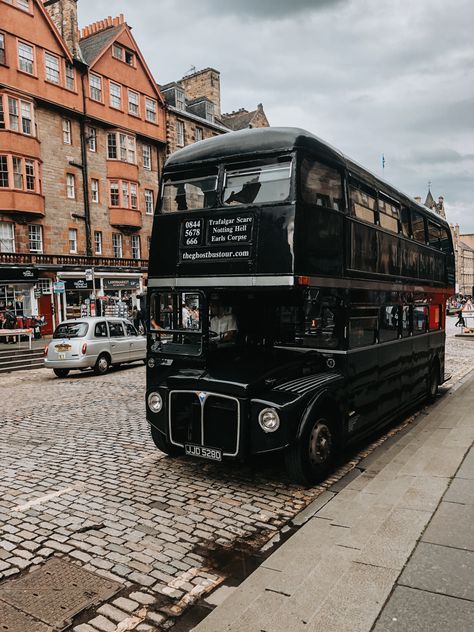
{"x":163,"y":444}
{"x":102,"y":365}
{"x":310,"y":459}
{"x":61,"y":372}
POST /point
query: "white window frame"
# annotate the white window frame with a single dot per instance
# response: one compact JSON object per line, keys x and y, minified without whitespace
{"x":135,"y":246}
{"x":69,"y":76}
{"x":180,"y":100}
{"x":3,"y":52}
{"x":7,"y":241}
{"x":132,"y":105}
{"x":149,"y":201}
{"x":96,"y":89}
{"x":115,"y":97}
{"x":117,"y":245}
{"x":95,"y":197}
{"x":198,"y":132}
{"x":52,"y":68}
{"x":70,"y":186}
{"x":67,"y":132}
{"x":147,"y":164}
{"x":73,"y":241}
{"x":35,"y":236}
{"x":26,"y":61}
{"x":151,"y":110}
{"x":179,"y":133}
{"x":117,"y":51}
{"x":98,"y":242}
{"x":92,"y":138}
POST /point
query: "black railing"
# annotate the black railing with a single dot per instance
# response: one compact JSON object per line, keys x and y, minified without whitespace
{"x":30,"y":258}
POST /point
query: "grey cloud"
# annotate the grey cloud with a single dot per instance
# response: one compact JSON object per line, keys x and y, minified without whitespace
{"x":269,"y":9}
{"x":445,"y":155}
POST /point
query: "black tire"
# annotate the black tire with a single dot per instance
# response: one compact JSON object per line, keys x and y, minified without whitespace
{"x":311,"y":458}
{"x":163,"y":444}
{"x":433,"y":382}
{"x":102,"y":364}
{"x":61,"y":372}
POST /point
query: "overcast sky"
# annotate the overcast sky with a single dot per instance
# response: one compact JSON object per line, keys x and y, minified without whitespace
{"x":371,"y":77}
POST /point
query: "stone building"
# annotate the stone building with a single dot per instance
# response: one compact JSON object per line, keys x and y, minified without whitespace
{"x":194,"y":110}
{"x":82,"y":140}
{"x":464,"y":253}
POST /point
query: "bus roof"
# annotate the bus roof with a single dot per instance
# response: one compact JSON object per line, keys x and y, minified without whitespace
{"x":271,"y":140}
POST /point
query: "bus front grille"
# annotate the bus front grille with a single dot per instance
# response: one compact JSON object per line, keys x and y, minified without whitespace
{"x":205,"y":419}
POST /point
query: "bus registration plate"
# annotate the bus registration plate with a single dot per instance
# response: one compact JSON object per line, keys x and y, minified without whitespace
{"x":213,"y":454}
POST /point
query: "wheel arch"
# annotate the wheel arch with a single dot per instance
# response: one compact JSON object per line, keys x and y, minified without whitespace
{"x":324,"y":402}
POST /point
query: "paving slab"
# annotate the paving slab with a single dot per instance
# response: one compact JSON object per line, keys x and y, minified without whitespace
{"x":467,"y":468}
{"x":412,"y":610}
{"x":460,"y":491}
{"x":440,"y":569}
{"x":452,"y":525}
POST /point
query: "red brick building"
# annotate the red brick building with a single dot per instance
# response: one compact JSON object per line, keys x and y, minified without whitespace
{"x":82,"y":141}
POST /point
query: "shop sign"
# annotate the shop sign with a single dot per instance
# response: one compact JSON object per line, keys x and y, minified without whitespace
{"x":38,"y":293}
{"x":89,"y":274}
{"x":80,"y":284}
{"x":18,"y":274}
{"x":121,"y":284}
{"x":58,"y":287}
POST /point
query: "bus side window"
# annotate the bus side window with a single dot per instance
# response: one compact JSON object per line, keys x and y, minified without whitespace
{"x":388,"y":326}
{"x":418,"y":227}
{"x":363,"y":327}
{"x":406,"y":321}
{"x":388,"y":215}
{"x":321,"y":185}
{"x":405,"y":221}
{"x":434,"y":235}
{"x":363,"y":205}
{"x":420,"y":319}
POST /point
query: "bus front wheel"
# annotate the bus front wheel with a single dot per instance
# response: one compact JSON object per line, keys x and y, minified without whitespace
{"x":163,"y":444}
{"x":310,"y":459}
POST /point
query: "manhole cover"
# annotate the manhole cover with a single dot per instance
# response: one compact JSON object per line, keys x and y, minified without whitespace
{"x":12,"y":620}
{"x":56,"y":592}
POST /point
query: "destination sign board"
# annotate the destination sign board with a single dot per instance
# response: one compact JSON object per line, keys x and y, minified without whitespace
{"x":217,"y":238}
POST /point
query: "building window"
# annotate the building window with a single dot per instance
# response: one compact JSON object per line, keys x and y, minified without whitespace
{"x":51,"y":65}
{"x":180,"y":100}
{"x":98,"y":242}
{"x":13,"y":114}
{"x":95,"y":190}
{"x":3,"y":171}
{"x":150,"y":107}
{"x":45,"y":286}
{"x":125,"y":144}
{"x":23,"y":4}
{"x":133,"y":103}
{"x":210,"y":112}
{"x":30,"y":175}
{"x":26,"y":58}
{"x":67,"y":138}
{"x":35,"y":237}
{"x":117,"y":52}
{"x":117,"y":245}
{"x":95,"y":87}
{"x":135,"y":246}
{"x":180,"y":133}
{"x":70,"y":76}
{"x":2,"y":114}
{"x":72,"y":240}
{"x":17,"y":173}
{"x":198,"y":134}
{"x":92,"y":138}
{"x":26,"y":126}
{"x":7,"y":236}
{"x":114,"y":193}
{"x":147,"y":157}
{"x":3,"y":58}
{"x":71,"y":186}
{"x":149,"y":202}
{"x":129,"y":58}
{"x":123,"y":194}
{"x":115,"y":95}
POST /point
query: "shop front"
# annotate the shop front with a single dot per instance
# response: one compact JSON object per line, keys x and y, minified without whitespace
{"x":17,"y":287}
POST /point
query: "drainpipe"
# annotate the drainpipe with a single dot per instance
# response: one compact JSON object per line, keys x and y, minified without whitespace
{"x":85,"y":173}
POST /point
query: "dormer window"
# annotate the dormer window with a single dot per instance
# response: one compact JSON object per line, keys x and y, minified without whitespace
{"x":129,"y":58}
{"x":180,"y":100}
{"x":117,"y":52}
{"x":210,"y":112}
{"x":123,"y":54}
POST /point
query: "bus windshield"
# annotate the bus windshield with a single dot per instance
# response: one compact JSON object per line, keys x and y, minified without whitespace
{"x":257,"y":185}
{"x":189,"y":194}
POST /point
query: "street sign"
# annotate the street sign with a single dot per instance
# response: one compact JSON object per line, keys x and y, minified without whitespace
{"x":59,"y":287}
{"x":89,"y":274}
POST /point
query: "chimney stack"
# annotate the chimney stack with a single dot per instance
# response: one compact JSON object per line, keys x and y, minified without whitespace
{"x":64,"y":15}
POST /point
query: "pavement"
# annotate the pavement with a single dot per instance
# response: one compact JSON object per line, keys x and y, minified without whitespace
{"x":390,"y":551}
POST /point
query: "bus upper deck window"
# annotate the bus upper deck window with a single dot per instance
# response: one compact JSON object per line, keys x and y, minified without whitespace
{"x":189,"y":194}
{"x":388,"y":215}
{"x":363,"y":205}
{"x":321,"y":185}
{"x":418,"y":227}
{"x":257,"y":185}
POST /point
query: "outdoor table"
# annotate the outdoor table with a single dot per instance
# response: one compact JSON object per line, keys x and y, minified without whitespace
{"x":18,"y":332}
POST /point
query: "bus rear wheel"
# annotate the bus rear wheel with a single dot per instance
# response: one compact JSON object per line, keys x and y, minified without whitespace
{"x":163,"y":444}
{"x":311,"y":458}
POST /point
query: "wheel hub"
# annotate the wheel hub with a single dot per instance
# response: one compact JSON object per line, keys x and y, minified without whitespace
{"x":320,"y":443}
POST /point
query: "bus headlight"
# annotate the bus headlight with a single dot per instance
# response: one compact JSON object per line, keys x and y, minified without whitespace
{"x":269,"y":420}
{"x":155,"y":402}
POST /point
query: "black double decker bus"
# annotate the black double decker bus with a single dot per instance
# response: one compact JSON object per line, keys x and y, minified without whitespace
{"x":296,"y":301}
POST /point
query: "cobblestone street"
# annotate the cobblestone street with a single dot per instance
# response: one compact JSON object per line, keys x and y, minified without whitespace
{"x":80,"y":477}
